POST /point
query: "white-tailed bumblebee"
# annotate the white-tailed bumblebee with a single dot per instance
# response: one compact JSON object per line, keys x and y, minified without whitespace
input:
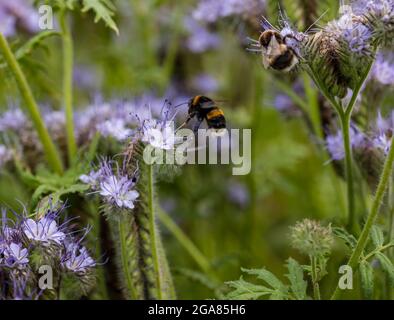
{"x":203,"y":108}
{"x":276,"y":54}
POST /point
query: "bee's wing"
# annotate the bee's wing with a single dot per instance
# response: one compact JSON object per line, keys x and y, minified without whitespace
{"x":273,"y":50}
{"x":208,"y":105}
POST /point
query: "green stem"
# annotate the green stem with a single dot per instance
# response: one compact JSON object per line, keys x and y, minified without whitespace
{"x":153,"y":233}
{"x":377,"y":202}
{"x":315,"y":283}
{"x":345,"y":124}
{"x":50,"y":151}
{"x":68,"y":62}
{"x":380,"y":249}
{"x":123,"y":256}
{"x":187,"y":244}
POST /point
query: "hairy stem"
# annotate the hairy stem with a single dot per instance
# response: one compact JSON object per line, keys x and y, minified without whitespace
{"x":153,"y":233}
{"x":50,"y":151}
{"x":125,"y":264}
{"x":68,"y":84}
{"x":345,"y":124}
{"x":315,"y":283}
{"x":376,"y":204}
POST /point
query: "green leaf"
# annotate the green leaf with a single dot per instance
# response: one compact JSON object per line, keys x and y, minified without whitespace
{"x":268,"y":277}
{"x":377,"y":236}
{"x":366,"y":273}
{"x":104,"y":10}
{"x":296,"y":276}
{"x":244,"y":290}
{"x":386,"y":264}
{"x":37,"y":41}
{"x":342,"y":234}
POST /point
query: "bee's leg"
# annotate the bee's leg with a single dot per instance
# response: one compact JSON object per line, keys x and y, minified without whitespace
{"x":197,"y":125}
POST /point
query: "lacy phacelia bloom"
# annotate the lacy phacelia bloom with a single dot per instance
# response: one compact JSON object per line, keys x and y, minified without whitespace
{"x":44,"y":230}
{"x":160,"y":135}
{"x":354,"y":31}
{"x":113,"y":184}
{"x":77,"y":259}
{"x":119,"y":191}
{"x":15,"y":256}
{"x":25,"y":241}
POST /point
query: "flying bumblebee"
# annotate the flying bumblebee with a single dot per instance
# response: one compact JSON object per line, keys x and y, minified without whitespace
{"x":203,"y":108}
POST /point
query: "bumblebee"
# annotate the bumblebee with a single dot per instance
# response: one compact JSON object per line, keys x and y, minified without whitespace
{"x":276,"y":54}
{"x":203,"y":108}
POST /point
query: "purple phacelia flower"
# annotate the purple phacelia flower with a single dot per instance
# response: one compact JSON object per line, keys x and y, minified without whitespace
{"x":76,"y":258}
{"x":358,"y":39}
{"x":45,"y":231}
{"x":15,"y":256}
{"x":114,"y":185}
{"x":119,"y":191}
{"x":357,"y":35}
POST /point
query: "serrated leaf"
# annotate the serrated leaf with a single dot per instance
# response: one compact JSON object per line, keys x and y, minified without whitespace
{"x":244,"y":290}
{"x":377,"y":236}
{"x":268,"y":277}
{"x":296,"y":277}
{"x":30,"y":45}
{"x":366,"y":273}
{"x":104,"y":10}
{"x":342,"y":234}
{"x":386,"y":264}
